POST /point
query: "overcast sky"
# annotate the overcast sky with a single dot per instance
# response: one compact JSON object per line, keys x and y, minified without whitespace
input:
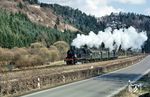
{"x":105,"y":7}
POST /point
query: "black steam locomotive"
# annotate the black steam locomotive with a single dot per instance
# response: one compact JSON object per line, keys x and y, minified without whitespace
{"x":85,"y":55}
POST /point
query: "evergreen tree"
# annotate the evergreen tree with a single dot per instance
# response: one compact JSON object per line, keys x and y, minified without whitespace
{"x":16,"y":30}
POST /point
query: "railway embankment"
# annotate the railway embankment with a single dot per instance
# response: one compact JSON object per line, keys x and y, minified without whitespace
{"x":26,"y":81}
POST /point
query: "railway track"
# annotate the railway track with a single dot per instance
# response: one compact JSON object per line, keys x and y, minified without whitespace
{"x":53,"y":66}
{"x":20,"y":74}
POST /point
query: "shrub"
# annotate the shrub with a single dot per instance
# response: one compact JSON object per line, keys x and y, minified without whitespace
{"x":37,"y":54}
{"x":36,"y":60}
{"x":37,"y":45}
{"x":6,"y":55}
{"x":29,"y":60}
{"x":45,"y":54}
{"x":1,"y":52}
{"x":55,"y":56}
{"x":53,"y":47}
{"x":23,"y":60}
{"x":62,"y":47}
{"x":18,"y":52}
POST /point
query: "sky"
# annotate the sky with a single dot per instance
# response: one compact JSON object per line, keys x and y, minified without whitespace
{"x":101,"y":8}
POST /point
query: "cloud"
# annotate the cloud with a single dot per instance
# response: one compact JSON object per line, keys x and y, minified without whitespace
{"x":93,"y":7}
{"x":137,"y":2}
{"x":55,"y":1}
{"x":147,"y":11}
{"x":105,"y":10}
{"x":99,"y":8}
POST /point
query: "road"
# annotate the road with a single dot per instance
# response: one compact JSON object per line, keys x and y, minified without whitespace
{"x":101,"y":86}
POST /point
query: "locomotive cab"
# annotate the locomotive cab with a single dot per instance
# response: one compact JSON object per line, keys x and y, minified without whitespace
{"x":71,"y":56}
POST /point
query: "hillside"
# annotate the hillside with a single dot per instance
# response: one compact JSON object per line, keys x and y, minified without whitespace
{"x":16,"y":30}
{"x":31,"y":21}
{"x":36,"y":14}
{"x":20,"y":27}
{"x":87,"y":23}
{"x":76,"y":17}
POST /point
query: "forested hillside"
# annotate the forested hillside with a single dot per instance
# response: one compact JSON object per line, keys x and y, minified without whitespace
{"x":16,"y":30}
{"x":77,"y":18}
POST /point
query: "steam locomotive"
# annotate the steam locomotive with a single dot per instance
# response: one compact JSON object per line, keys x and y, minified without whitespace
{"x":85,"y":55}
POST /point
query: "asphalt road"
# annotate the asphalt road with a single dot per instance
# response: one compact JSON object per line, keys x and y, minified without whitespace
{"x":100,"y":86}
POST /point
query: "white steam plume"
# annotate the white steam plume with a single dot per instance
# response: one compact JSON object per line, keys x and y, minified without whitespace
{"x":126,"y":38}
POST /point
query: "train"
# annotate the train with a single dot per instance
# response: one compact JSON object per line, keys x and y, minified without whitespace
{"x":86,"y":55}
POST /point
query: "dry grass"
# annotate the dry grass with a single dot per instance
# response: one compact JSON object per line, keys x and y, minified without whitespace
{"x":125,"y":93}
{"x":146,"y":83}
{"x":35,"y":55}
